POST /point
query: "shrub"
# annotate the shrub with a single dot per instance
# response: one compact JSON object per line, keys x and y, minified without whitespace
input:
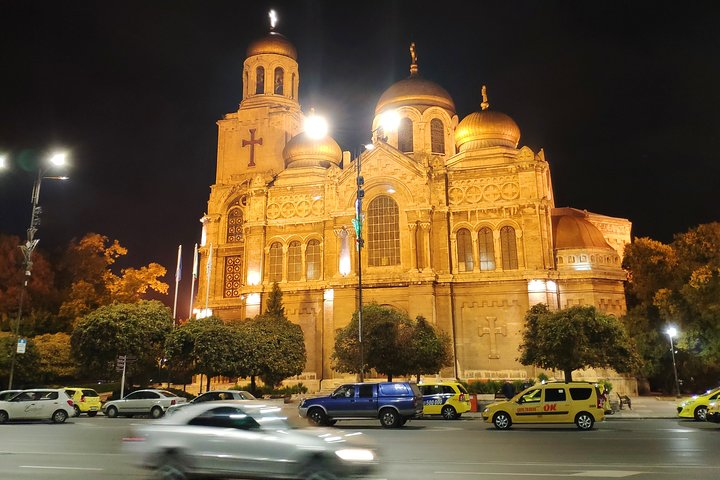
{"x":261,"y":390}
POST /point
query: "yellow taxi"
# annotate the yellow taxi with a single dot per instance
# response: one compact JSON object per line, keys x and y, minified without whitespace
{"x":86,"y":400}
{"x":449,"y":399}
{"x":713,"y":412}
{"x":553,"y":402}
{"x":697,"y":406}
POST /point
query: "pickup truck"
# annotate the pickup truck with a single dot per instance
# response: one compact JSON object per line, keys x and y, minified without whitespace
{"x":393,"y":403}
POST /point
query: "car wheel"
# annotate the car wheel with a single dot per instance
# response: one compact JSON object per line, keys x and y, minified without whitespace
{"x":171,"y":467}
{"x":3,"y":416}
{"x":77,"y":410}
{"x":59,"y":416}
{"x":584,"y":421}
{"x":502,"y":421}
{"x":389,"y":418}
{"x":156,"y":412}
{"x":318,"y":469}
{"x":700,"y":413}
{"x":316,"y":416}
{"x":111,"y":412}
{"x":91,"y":414}
{"x":448,"y":412}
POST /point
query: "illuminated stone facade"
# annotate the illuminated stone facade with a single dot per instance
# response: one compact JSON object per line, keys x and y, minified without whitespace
{"x":460,"y":223}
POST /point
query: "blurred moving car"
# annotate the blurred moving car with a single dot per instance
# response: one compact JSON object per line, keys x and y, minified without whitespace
{"x":449,"y":399}
{"x":150,"y":401}
{"x":8,"y":394}
{"x":697,"y":406}
{"x":553,"y":402}
{"x":212,"y":396}
{"x":86,"y":400}
{"x":247,"y":439}
{"x":38,"y":404}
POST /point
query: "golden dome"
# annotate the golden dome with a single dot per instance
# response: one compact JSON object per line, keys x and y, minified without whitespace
{"x":415,"y":91}
{"x":572,"y":230}
{"x":274,"y":43}
{"x":303,"y":151}
{"x":486,"y":128}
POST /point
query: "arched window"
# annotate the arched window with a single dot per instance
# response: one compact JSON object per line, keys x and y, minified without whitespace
{"x":487,"y":249}
{"x":279,"y":80}
{"x":292,"y":86}
{"x":405,"y":135}
{"x":508,"y":248}
{"x":234,"y":226}
{"x":437,"y":136}
{"x":294,"y":262}
{"x":464,"y":250}
{"x":260,"y":80}
{"x":383,"y":232}
{"x":312,"y":260}
{"x":275,"y":261}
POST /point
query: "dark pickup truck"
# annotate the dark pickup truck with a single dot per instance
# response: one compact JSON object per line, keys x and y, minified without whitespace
{"x":393,"y":403}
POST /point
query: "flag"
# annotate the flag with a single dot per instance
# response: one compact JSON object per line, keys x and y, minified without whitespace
{"x":195,"y":263}
{"x":178,"y":271}
{"x":208,"y":267}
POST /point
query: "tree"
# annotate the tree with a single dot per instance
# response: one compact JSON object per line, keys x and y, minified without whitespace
{"x":137,"y":329}
{"x":574,"y":338}
{"x":56,"y":362}
{"x":26,"y":364}
{"x":430,"y":351}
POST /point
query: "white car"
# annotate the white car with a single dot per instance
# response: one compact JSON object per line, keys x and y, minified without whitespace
{"x":213,"y":396}
{"x":249,"y":438}
{"x":38,"y":404}
{"x":143,"y":402}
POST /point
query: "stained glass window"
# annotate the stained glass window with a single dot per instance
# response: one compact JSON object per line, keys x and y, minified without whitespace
{"x":383,"y":232}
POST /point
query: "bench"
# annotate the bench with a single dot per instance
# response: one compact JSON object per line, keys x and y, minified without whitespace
{"x":624,"y":400}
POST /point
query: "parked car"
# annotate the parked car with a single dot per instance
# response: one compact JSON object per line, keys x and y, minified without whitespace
{"x":38,"y":404}
{"x":553,"y":402}
{"x":449,"y":399}
{"x":86,"y":400}
{"x":8,"y":394}
{"x":713,"y":412}
{"x":393,"y":403}
{"x":246,"y":439}
{"x":697,"y":406}
{"x":151,"y":402}
{"x":212,"y":396}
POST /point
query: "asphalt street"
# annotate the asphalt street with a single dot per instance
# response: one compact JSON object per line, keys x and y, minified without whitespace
{"x":89,"y":448}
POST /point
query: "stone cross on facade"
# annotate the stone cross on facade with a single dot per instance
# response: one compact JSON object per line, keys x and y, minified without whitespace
{"x":252,"y":142}
{"x":493,"y":331}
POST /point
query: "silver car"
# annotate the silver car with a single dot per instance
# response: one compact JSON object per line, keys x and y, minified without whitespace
{"x":246,"y":439}
{"x":143,"y":402}
{"x":213,"y":396}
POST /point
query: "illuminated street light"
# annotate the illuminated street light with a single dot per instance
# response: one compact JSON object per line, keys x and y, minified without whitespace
{"x":3,"y":161}
{"x":55,"y":160}
{"x":672,"y":333}
{"x":316,"y":127}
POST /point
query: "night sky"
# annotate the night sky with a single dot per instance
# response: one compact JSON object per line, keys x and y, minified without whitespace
{"x":623,"y":96}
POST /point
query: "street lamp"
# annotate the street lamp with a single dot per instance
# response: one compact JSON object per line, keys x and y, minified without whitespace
{"x":55,"y":160}
{"x":671,"y":333}
{"x":389,"y":121}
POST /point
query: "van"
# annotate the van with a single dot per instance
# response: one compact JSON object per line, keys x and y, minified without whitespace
{"x":553,"y":402}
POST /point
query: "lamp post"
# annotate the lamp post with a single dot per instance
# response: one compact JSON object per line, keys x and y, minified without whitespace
{"x":671,"y":333}
{"x":56,"y":160}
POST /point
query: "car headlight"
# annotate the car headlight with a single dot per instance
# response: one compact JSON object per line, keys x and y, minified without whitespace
{"x":355,"y":454}
{"x":486,"y":410}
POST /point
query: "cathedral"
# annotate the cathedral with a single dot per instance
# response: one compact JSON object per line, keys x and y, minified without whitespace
{"x":459,"y":222}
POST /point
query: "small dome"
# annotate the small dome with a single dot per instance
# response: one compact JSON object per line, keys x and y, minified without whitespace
{"x":274,"y":43}
{"x":572,"y":230}
{"x":486,"y":128}
{"x":415,"y":91}
{"x":303,"y":151}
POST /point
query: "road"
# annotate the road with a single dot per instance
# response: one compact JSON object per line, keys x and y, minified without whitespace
{"x":89,"y":448}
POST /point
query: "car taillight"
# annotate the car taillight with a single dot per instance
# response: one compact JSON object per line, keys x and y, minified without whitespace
{"x":134,"y":439}
{"x":172,"y":402}
{"x":462,"y":397}
{"x":70,"y":402}
{"x":82,"y":398}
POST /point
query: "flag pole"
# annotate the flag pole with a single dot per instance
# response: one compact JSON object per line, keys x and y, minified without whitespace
{"x":194,"y":277}
{"x":208,"y":271}
{"x":178,"y":274}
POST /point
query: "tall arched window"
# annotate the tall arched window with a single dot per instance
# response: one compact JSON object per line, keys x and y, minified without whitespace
{"x":312,"y":260}
{"x":437,"y":136}
{"x":292,"y":86}
{"x":487,"y":249}
{"x":464,"y":250}
{"x":275,"y":261}
{"x":508,"y":248}
{"x":260,"y":80}
{"x":405,"y":135}
{"x":234,"y":226}
{"x":279,"y":80}
{"x":294,"y":262}
{"x":383,"y":232}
